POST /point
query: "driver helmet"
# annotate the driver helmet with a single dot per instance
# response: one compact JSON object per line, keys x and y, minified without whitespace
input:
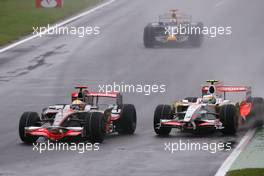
{"x":209,"y":99}
{"x":78,"y":105}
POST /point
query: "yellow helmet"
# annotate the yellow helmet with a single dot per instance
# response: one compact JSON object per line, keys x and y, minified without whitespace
{"x":77,"y":102}
{"x":78,"y":105}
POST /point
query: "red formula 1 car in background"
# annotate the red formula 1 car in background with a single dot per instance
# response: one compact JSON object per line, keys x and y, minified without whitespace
{"x":211,"y":112}
{"x":90,"y":116}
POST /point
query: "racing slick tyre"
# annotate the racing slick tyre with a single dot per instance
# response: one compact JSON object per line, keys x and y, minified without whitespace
{"x":191,"y":99}
{"x":94,"y":127}
{"x":195,"y":39}
{"x":28,"y":119}
{"x":128,"y":119}
{"x":229,"y":118}
{"x":257,"y":112}
{"x":162,"y":112}
{"x":149,"y":37}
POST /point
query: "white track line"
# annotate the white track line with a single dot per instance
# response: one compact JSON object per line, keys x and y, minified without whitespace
{"x":232,"y":157}
{"x":58,"y":25}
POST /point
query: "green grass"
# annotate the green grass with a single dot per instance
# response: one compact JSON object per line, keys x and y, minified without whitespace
{"x":17,"y":17}
{"x":247,"y":172}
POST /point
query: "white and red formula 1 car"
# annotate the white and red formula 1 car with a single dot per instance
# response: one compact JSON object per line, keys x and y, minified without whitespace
{"x":211,"y":112}
{"x":90,"y":116}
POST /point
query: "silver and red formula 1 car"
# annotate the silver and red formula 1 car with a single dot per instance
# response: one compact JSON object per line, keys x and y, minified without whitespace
{"x":90,"y":116}
{"x":211,"y":112}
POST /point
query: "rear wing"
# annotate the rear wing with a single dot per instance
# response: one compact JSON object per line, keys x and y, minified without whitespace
{"x":228,"y":89}
{"x":118,"y":96}
{"x":180,"y":17}
{"x":99,"y":94}
{"x":88,"y":97}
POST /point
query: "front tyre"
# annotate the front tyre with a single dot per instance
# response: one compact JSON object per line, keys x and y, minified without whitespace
{"x":94,"y":127}
{"x":28,"y":119}
{"x":196,"y":39}
{"x":128,"y":119}
{"x":229,"y":118}
{"x":149,"y":37}
{"x":162,"y":112}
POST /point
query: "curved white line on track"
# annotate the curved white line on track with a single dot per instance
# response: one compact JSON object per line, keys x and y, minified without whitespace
{"x":232,"y":157}
{"x":57,"y":25}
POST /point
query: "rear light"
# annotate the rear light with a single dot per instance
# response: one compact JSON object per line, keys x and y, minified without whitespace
{"x":245,"y":108}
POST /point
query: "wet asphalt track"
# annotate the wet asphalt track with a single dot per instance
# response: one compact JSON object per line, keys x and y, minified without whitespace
{"x":44,"y":71}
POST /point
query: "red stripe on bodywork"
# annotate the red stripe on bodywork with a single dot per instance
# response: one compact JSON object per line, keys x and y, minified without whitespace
{"x":172,"y":123}
{"x":46,"y":133}
{"x":205,"y":124}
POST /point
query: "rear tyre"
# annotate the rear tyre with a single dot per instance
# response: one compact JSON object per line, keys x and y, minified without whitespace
{"x":95,"y":127}
{"x":229,"y":119}
{"x":149,"y":37}
{"x":257,"y":112}
{"x":128,"y":119}
{"x":162,"y":112}
{"x":191,"y":99}
{"x":28,"y":119}
{"x":196,"y":39}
